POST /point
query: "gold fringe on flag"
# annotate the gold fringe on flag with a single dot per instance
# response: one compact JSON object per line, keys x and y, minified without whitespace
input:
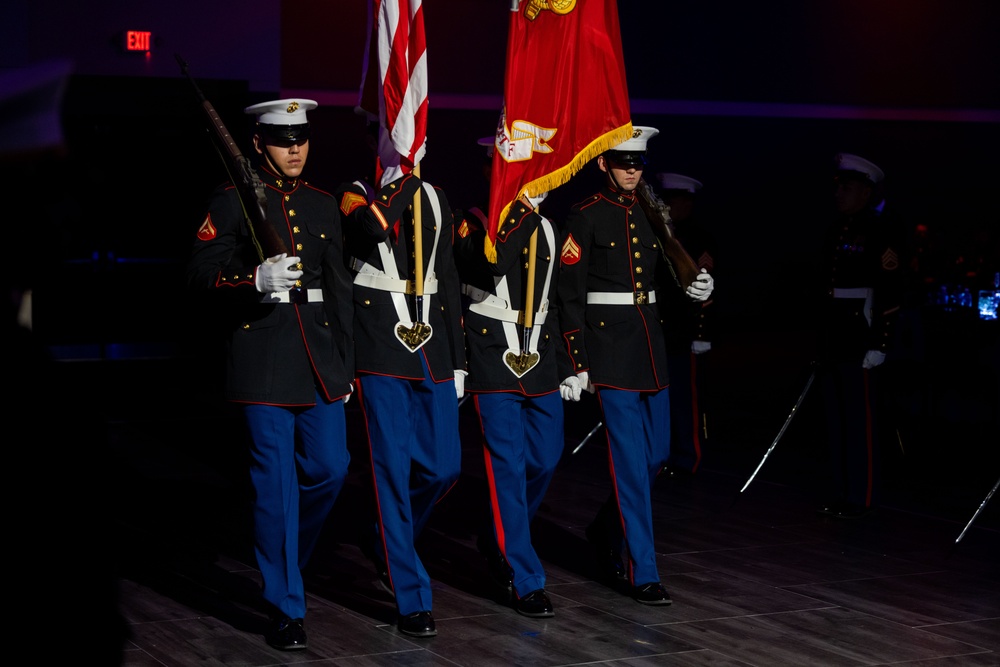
{"x":554,"y":179}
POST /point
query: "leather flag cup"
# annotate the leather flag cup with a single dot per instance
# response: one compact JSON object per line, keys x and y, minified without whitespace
{"x":397,"y":53}
{"x":565,"y":99}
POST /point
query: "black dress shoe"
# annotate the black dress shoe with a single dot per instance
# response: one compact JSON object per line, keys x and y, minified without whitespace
{"x":418,"y":624}
{"x":500,"y":573}
{"x":287,"y":634}
{"x":535,"y":604}
{"x":852,"y":511}
{"x":844,"y":510}
{"x":610,"y":565}
{"x":830,"y":508}
{"x":382,"y":572}
{"x":653,"y":593}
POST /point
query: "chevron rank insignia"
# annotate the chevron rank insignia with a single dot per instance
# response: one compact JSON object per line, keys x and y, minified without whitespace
{"x":207,"y":230}
{"x":463,"y":229}
{"x":706,"y":262}
{"x":351,"y":201}
{"x":890,"y":261}
{"x":570,"y":251}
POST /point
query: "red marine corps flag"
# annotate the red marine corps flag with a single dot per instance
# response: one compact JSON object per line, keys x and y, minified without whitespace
{"x":565,"y":99}
{"x":394,"y":85}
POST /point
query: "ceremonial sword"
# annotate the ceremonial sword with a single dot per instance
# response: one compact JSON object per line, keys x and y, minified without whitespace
{"x":981,"y":506}
{"x":795,"y":408}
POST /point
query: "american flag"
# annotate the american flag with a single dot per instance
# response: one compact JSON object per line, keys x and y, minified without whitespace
{"x":397,"y":48}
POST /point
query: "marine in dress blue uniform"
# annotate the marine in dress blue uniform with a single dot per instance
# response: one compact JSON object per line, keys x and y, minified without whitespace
{"x":864,"y":293}
{"x":289,"y":352}
{"x":689,"y":328}
{"x":409,"y":390}
{"x":611,"y":271}
{"x":516,"y":390}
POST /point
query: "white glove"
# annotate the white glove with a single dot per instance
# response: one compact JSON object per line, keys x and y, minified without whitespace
{"x":585,"y":382}
{"x":700,"y":346}
{"x":460,"y":383}
{"x":277,"y":274}
{"x":702,"y":287}
{"x":873,"y":358}
{"x":349,"y":394}
{"x":537,"y":200}
{"x":570,"y":388}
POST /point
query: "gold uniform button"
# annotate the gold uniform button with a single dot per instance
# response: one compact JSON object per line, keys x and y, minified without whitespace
{"x":635,"y":239}
{"x":291,"y":213}
{"x":298,"y":246}
{"x":246,"y":326}
{"x":287,"y":197}
{"x":368,"y":302}
{"x":638,"y":269}
{"x":484,"y":330}
{"x":638,"y":285}
{"x":295,"y":229}
{"x":637,"y":254}
{"x":612,"y":244}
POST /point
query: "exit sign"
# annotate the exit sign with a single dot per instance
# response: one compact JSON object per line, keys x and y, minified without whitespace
{"x":138,"y":40}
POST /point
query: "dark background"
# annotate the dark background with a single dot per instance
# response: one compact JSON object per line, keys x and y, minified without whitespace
{"x":753,"y":99}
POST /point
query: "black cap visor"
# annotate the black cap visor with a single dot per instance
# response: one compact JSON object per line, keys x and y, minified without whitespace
{"x":626,"y":158}
{"x":847,"y":175}
{"x":293,"y":133}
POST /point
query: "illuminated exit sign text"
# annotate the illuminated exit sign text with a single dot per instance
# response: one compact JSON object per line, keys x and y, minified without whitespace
{"x":137,"y":40}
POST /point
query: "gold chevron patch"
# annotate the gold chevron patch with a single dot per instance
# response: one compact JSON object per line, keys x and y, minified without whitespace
{"x":706,"y":262}
{"x":890,"y":260}
{"x":571,"y":251}
{"x":207,"y":230}
{"x":351,"y":201}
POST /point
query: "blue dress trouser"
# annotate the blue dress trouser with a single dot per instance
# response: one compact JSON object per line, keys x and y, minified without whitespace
{"x":852,"y":431}
{"x":522,"y":445}
{"x":298,"y":464}
{"x":416,"y":458}
{"x":638,"y":430}
{"x":685,"y":438}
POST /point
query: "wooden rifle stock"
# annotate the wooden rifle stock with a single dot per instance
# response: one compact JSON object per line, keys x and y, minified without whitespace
{"x":658,"y":215}
{"x":249,"y":187}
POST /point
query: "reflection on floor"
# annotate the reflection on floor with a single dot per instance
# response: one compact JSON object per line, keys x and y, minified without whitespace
{"x":757,"y":577}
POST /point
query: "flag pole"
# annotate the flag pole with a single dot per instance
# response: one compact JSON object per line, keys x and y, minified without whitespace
{"x":418,"y":250}
{"x":529,"y":297}
{"x":416,"y":335}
